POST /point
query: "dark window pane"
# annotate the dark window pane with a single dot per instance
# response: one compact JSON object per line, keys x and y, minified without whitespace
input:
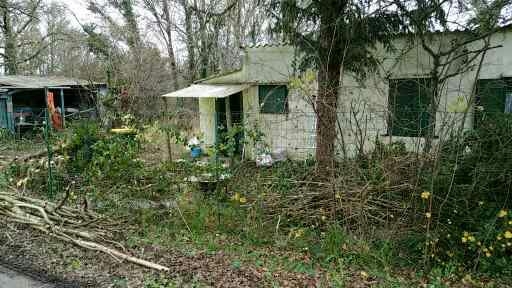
{"x":493,"y":101}
{"x":273,"y":98}
{"x":409,"y":100}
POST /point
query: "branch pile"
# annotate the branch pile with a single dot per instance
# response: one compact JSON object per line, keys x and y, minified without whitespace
{"x":83,"y":228}
{"x":352,"y":198}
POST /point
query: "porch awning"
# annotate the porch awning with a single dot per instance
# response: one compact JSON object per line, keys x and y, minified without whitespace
{"x":207,"y":91}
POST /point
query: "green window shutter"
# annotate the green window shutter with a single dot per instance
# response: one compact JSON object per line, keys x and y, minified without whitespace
{"x":409,"y":100}
{"x":3,"y":113}
{"x":491,"y":95}
{"x":492,"y":98}
{"x":273,"y":99}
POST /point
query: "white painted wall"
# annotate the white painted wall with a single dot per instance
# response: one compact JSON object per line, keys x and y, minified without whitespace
{"x":366,"y":102}
{"x":293,"y":131}
{"x":207,"y":120}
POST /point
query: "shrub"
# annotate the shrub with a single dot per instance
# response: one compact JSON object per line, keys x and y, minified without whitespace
{"x":472,"y":200}
{"x":115,"y":158}
{"x":92,"y":153}
{"x":79,"y":149}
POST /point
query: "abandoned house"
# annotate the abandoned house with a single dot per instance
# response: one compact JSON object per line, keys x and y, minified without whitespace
{"x":388,"y":105}
{"x":24,"y":100}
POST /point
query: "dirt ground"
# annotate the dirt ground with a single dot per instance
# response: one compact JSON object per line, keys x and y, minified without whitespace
{"x":11,"y":150}
{"x":71,"y":266}
{"x":45,"y":258}
{"x":6,"y":157}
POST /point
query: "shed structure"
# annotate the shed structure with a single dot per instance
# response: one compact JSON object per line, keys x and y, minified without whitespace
{"x":23,"y":99}
{"x":387,"y":106}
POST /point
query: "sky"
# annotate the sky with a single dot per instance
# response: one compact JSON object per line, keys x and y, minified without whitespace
{"x":78,"y":7}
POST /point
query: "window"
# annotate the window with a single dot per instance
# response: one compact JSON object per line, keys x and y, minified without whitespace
{"x":494,"y":100}
{"x":409,"y":100}
{"x":494,"y":95}
{"x":508,"y":102}
{"x":273,"y":99}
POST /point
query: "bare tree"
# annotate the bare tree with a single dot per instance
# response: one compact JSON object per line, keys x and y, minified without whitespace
{"x":129,"y":29}
{"x":19,"y":18}
{"x":160,"y":9}
{"x":189,"y":35}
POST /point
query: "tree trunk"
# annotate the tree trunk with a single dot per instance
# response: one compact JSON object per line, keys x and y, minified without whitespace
{"x":10,"y":53}
{"x":238,"y":25}
{"x":326,"y":103}
{"x":133,"y":39}
{"x":204,"y":53}
{"x":170,"y":50}
{"x":434,"y":104}
{"x":191,"y":61}
{"x":328,"y":84}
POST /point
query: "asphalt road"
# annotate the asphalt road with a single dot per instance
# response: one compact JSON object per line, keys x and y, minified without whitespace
{"x":12,"y":279}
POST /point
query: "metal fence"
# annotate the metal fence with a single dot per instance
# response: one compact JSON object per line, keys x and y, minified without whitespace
{"x":294,"y":133}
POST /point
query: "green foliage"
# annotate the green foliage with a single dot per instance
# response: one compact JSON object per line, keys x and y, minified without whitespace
{"x":472,"y":200}
{"x":337,"y":245}
{"x":351,"y":30}
{"x":5,"y":135}
{"x":92,"y":153}
{"x":115,"y":158}
{"x":4,"y":181}
{"x":236,"y":209}
{"x":440,"y":274}
{"x":390,"y":150}
{"x":164,"y":282}
{"x":229,"y":142}
{"x":334,"y":240}
{"x":80,"y":144}
{"x":97,"y":43}
{"x":160,"y":282}
{"x":90,"y":163}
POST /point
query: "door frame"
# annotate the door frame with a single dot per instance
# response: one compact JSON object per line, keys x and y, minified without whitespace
{"x":223,"y":119}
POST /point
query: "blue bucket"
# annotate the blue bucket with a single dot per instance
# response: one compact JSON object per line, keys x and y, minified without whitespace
{"x":195,"y":152}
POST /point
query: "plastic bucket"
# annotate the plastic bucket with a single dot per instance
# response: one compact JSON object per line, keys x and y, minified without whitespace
{"x":195,"y":152}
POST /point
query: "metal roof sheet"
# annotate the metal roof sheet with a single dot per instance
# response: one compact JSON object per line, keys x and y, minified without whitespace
{"x":219,"y":76}
{"x":207,"y":91}
{"x":16,"y":81}
{"x":268,"y":45}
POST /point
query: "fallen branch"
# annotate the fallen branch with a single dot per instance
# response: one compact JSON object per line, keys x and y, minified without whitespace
{"x":38,"y":154}
{"x":67,"y":224}
{"x":122,"y":256}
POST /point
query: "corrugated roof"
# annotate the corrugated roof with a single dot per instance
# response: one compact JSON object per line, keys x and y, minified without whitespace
{"x":268,"y":44}
{"x":263,"y":44}
{"x":218,"y":75}
{"x":16,"y":81}
{"x":207,"y":91}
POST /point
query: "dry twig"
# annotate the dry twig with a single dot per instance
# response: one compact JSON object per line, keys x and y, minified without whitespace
{"x":67,"y":224}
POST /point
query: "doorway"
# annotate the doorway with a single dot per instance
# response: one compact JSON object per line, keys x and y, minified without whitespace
{"x":229,"y":115}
